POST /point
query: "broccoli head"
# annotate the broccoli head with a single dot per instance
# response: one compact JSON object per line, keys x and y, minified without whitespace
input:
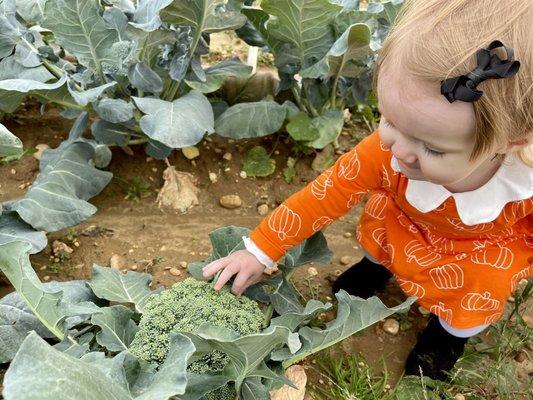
{"x":184,"y":308}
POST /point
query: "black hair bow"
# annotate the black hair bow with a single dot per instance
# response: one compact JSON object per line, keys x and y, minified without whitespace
{"x":489,"y":66}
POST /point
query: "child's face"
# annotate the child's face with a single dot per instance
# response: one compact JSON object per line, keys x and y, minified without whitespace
{"x":431,"y":138}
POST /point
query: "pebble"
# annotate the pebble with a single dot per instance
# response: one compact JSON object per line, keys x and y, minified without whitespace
{"x":230,"y":201}
{"x":338,"y":272}
{"x":56,"y":260}
{"x":218,"y":151}
{"x":243,"y":174}
{"x":13,"y":171}
{"x":58,"y":247}
{"x":213,"y":177}
{"x":163,"y":248}
{"x":190,"y":152}
{"x":227,"y":156}
{"x":134,"y":267}
{"x":328,"y":298}
{"x":154,"y":169}
{"x":46,"y":278}
{"x":149,"y":159}
{"x":117,"y":262}
{"x":459,"y":396}
{"x":347,"y":234}
{"x":40,"y":148}
{"x":227,"y":169}
{"x":183,"y":264}
{"x":312,"y":271}
{"x":345,"y":260}
{"x":263,"y":209}
{"x":391,"y":326}
{"x":174,"y":272}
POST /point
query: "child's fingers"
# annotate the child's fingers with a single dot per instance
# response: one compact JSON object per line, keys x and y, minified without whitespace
{"x":225,"y":276}
{"x":240,"y":283}
{"x":215,"y":266}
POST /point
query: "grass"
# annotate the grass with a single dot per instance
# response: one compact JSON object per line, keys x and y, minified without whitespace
{"x":133,"y":189}
{"x":487,"y":370}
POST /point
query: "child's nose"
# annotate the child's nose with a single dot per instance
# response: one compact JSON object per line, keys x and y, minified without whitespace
{"x":402,"y":152}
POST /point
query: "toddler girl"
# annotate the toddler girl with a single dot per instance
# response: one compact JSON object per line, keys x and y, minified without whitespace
{"x":448,"y":172}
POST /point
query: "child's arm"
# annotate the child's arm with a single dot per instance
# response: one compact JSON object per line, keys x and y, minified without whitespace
{"x":328,"y":197}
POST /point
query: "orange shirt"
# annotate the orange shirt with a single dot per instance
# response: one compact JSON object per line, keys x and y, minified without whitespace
{"x":462,"y":273}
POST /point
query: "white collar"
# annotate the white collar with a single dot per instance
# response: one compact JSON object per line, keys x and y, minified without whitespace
{"x":513,"y":181}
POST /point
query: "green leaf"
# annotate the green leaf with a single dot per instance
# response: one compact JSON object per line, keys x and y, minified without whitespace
{"x":79,"y":28}
{"x":146,"y":15}
{"x":13,"y":229}
{"x":84,"y":97}
{"x":144,"y":78}
{"x":294,"y":319}
{"x":15,"y":264}
{"x":253,"y":389}
{"x":353,"y":315}
{"x":329,"y":127}
{"x":324,"y":159}
{"x":301,"y":128}
{"x":39,"y":371}
{"x":26,"y":85}
{"x":249,"y":120}
{"x":114,"y":110}
{"x":113,"y":285}
{"x":302,"y":29}
{"x":118,"y":329}
{"x":258,"y":163}
{"x":177,"y":124}
{"x":149,"y":43}
{"x":346,"y":57}
{"x":247,"y":352}
{"x":10,"y":145}
{"x":57,"y":198}
{"x":205,"y":16}
{"x":108,"y":133}
{"x":216,"y":75}
{"x":31,"y":10}
{"x":313,"y":250}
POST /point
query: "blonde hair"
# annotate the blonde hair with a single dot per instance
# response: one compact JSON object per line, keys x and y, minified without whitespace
{"x":438,"y":39}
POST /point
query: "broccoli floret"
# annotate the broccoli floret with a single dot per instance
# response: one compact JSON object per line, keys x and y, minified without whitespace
{"x":184,"y":308}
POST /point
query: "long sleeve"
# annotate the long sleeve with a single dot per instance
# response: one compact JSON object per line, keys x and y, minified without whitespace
{"x":331,"y":195}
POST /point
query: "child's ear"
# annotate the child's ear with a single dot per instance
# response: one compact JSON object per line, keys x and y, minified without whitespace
{"x":518,"y":145}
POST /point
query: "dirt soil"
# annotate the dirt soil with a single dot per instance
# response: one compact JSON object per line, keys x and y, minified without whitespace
{"x":149,"y":240}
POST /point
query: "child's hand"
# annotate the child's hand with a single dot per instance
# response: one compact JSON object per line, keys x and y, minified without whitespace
{"x":243,"y":264}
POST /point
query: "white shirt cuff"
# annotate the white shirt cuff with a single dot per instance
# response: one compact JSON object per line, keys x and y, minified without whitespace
{"x":258,"y":253}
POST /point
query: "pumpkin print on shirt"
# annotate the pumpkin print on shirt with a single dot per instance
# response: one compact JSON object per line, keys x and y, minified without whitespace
{"x":462,"y":273}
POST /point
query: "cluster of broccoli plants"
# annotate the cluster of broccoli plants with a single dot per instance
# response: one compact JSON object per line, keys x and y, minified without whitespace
{"x":65,"y":339}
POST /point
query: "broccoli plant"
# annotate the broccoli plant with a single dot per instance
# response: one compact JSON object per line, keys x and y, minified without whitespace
{"x":191,"y":343}
{"x":324,"y":52}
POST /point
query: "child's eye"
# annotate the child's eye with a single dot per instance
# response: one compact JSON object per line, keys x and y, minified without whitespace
{"x":433,"y":152}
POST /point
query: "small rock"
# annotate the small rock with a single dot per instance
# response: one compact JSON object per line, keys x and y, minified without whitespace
{"x":263,"y":209}
{"x":227,"y":156}
{"x":174,"y":272}
{"x":190,"y":152}
{"x":58,"y":248}
{"x":56,"y":260}
{"x":117,"y":262}
{"x":134,"y":267}
{"x":243,"y":174}
{"x":328,"y":298}
{"x":77,"y":244}
{"x":40,"y":148}
{"x":183,"y":264}
{"x":264,"y":196}
{"x":42,"y":268}
{"x":391,"y":326}
{"x":459,"y":396}
{"x":276,"y":152}
{"x":13,"y":171}
{"x":149,"y":159}
{"x":228,"y":169}
{"x":130,"y":251}
{"x":347,"y":234}
{"x":345,"y":260}
{"x":163,"y":248}
{"x":154,"y":169}
{"x":218,"y":151}
{"x":46,"y":278}
{"x":338,"y":272}
{"x":213,"y":177}
{"x":312,"y":271}
{"x":128,"y":150}
{"x":230,"y":201}
{"x":520,"y":357}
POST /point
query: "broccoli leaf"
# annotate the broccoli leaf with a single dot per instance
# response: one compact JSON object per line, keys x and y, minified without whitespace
{"x":10,"y":145}
{"x":15,"y":264}
{"x":354,"y":314}
{"x":314,"y":250}
{"x":113,"y":285}
{"x":118,"y":329}
{"x":246,"y":353}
